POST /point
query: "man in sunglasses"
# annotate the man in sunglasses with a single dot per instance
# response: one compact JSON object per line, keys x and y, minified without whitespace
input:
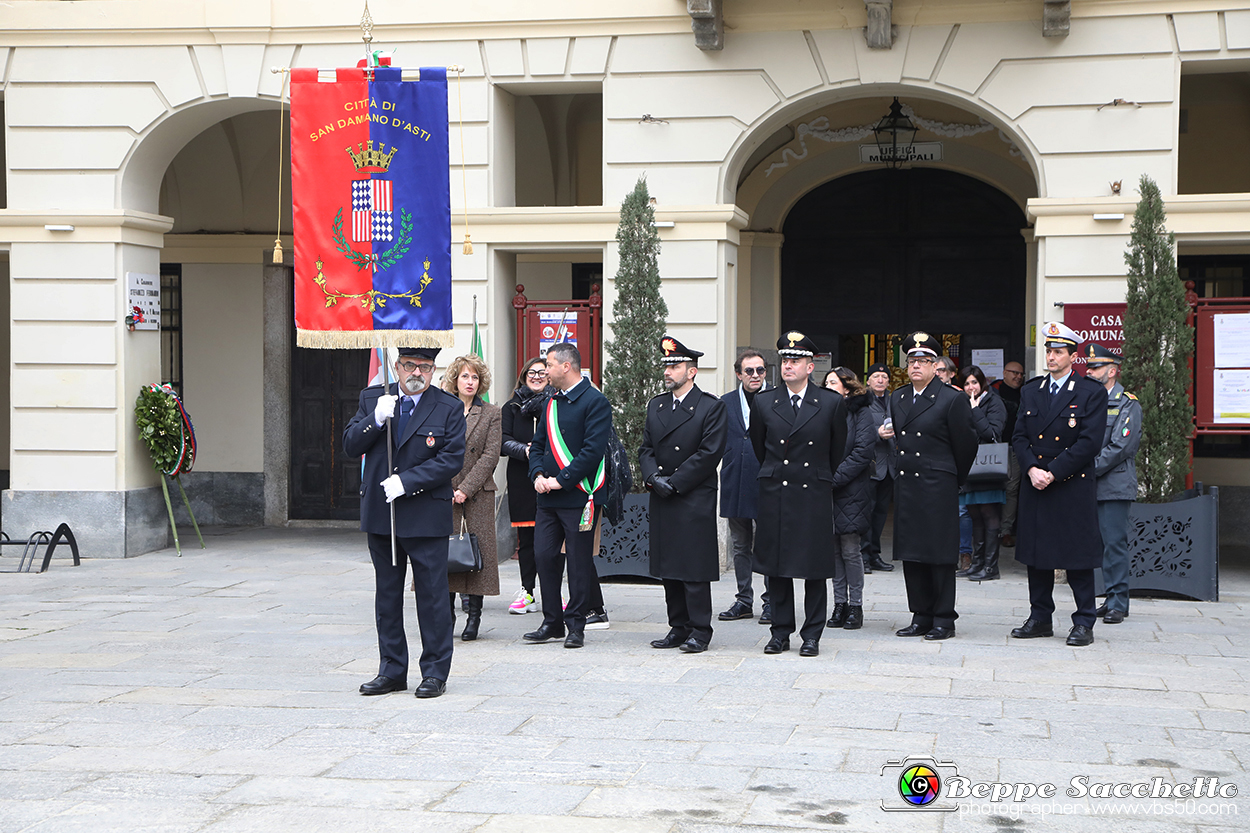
{"x":427,"y":449}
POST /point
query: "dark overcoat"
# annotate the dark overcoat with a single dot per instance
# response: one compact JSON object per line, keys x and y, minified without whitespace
{"x":740,"y":470}
{"x":1057,"y":527}
{"x":426,"y":458}
{"x":853,"y":492}
{"x":585,"y":422}
{"x":798,"y":456}
{"x":685,"y":445}
{"x":935,"y":445}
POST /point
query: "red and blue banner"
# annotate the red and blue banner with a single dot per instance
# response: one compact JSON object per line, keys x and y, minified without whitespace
{"x":369,"y":180}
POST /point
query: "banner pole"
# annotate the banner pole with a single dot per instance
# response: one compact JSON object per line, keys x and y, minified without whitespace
{"x":390,"y":462}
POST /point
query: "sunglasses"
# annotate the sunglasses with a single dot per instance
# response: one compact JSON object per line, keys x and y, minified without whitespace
{"x":753,"y":371}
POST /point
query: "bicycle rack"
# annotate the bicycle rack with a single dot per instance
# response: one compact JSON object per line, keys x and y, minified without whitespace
{"x":51,"y":540}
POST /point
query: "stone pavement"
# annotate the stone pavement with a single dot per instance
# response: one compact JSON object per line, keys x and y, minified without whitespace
{"x":217,"y":692}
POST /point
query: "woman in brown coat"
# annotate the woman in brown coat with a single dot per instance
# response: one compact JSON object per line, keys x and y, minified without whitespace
{"x":474,"y":495}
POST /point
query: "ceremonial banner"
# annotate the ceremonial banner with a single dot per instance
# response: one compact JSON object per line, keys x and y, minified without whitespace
{"x":369,"y":180}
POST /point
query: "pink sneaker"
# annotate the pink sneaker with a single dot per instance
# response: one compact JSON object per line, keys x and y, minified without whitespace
{"x":524,"y":603}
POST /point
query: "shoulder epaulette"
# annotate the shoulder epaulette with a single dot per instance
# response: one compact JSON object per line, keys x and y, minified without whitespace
{"x":1130,"y":396}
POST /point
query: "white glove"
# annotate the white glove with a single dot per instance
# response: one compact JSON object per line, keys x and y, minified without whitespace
{"x":385,"y":409}
{"x":393,"y":486}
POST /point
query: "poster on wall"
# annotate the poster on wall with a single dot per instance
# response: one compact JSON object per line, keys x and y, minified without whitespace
{"x":143,"y":301}
{"x":1097,"y":323}
{"x":1231,"y":396}
{"x":990,"y":362}
{"x":1232,"y":339}
{"x":554,"y":328}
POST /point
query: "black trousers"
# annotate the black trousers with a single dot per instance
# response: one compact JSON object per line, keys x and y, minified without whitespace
{"x":883,"y":493}
{"x":815,"y":604}
{"x":1042,"y":595}
{"x":930,"y":594}
{"x":435,"y":618}
{"x":689,"y":607}
{"x":554,"y":527}
{"x":525,"y":555}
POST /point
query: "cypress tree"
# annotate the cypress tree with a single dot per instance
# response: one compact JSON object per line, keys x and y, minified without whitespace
{"x":1158,"y":343}
{"x":633,"y":373}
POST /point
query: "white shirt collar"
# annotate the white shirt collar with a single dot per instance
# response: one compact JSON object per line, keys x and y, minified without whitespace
{"x":801,"y":394}
{"x":1062,"y":381}
{"x":569,"y":389}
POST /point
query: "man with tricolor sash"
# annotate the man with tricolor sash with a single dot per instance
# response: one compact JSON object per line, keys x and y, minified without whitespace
{"x":567,"y":469}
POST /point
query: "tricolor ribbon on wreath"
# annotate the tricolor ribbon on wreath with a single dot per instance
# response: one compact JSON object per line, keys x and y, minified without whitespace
{"x":370,"y":187}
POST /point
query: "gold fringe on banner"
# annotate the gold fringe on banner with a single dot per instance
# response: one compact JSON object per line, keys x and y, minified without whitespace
{"x":368,"y":339}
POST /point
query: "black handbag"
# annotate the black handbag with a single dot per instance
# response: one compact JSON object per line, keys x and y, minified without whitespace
{"x":990,"y":469}
{"x":463,"y":553}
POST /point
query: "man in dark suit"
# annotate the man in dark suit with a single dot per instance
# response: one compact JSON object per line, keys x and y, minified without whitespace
{"x":682,"y":443}
{"x":935,"y":445}
{"x":739,"y":483}
{"x":427,"y":430}
{"x":798,"y":432}
{"x":567,"y":469}
{"x":1059,"y":432}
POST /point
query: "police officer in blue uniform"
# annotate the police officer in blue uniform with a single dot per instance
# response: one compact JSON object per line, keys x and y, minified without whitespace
{"x":682,"y":443}
{"x":427,"y":430}
{"x":1059,"y":431}
{"x":1117,"y":478}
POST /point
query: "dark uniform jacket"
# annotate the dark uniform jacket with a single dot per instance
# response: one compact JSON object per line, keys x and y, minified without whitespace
{"x":1115,"y":465}
{"x":798,"y":456}
{"x":585,"y":424}
{"x":935,"y":445}
{"x":686,"y":447}
{"x":426,"y":458}
{"x":739,"y":471}
{"x":1057,"y":527}
{"x":853,"y":492}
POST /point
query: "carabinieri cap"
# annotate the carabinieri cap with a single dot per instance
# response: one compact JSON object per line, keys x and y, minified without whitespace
{"x":674,"y":352}
{"x":796,"y":345}
{"x":921,"y":343}
{"x":1060,"y":335}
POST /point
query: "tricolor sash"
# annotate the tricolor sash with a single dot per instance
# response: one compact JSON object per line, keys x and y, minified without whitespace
{"x":563,"y":457}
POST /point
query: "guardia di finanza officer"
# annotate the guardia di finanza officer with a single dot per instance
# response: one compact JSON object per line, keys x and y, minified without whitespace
{"x":1059,"y":431}
{"x":683,"y":439}
{"x":428,"y":431}
{"x":798,"y":431}
{"x":935,"y":445}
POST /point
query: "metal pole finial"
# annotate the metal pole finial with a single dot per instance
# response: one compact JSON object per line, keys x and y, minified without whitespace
{"x":366,"y":25}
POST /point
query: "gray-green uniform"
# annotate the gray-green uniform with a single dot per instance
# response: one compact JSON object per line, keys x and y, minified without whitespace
{"x":1117,"y":489}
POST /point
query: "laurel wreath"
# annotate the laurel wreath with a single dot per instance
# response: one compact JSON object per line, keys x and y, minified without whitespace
{"x":385,"y":260}
{"x":370,"y":299}
{"x":165,"y":429}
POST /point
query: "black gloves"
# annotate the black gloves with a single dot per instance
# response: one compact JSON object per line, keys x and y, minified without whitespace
{"x":661,"y":486}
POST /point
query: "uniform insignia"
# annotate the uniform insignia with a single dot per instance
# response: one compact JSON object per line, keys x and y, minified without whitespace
{"x":921,"y":337}
{"x":1072,"y":384}
{"x":794,"y":337}
{"x":1124,"y":432}
{"x":1130,"y":396}
{"x":1053,"y":329}
{"x":668,"y":345}
{"x":430,"y":441}
{"x":1072,"y":421}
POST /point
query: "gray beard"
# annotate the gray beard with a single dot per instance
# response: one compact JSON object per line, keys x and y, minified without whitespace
{"x":413,"y":385}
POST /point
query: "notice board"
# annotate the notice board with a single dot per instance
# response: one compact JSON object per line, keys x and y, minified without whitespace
{"x":1222,"y":366}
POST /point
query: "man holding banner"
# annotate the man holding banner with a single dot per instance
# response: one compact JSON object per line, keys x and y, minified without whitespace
{"x":567,"y":469}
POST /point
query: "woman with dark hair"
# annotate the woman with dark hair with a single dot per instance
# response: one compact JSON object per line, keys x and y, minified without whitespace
{"x":853,"y":498}
{"x":985,"y":506}
{"x":520,"y":414}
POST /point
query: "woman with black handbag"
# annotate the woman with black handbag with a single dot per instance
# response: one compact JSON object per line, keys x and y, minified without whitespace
{"x":983,"y":501}
{"x":520,"y":414}
{"x":474,"y":487}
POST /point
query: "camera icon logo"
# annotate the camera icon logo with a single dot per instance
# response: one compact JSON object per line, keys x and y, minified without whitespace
{"x":917,"y":783}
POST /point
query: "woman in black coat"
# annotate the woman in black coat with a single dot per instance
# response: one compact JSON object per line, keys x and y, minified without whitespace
{"x":985,"y":506}
{"x":852,"y":499}
{"x":520,"y":414}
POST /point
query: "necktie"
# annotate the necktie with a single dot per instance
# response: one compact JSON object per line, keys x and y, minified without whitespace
{"x":1054,"y":387}
{"x":405,"y":411}
{"x":794,"y":400}
{"x":676,"y":404}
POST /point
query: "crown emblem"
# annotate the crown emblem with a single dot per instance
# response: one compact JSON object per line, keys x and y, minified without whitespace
{"x":369,"y":158}
{"x":794,"y":337}
{"x":668,"y":345}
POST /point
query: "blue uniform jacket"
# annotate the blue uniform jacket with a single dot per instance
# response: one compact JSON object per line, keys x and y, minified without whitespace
{"x":426,"y":458}
{"x":585,"y":424}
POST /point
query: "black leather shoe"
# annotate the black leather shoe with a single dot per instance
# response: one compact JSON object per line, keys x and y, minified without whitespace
{"x":776,"y":645}
{"x":431,"y":687}
{"x":810,"y":648}
{"x":879,"y":564}
{"x":574,"y":640}
{"x":1080,"y":635}
{"x":867,"y":567}
{"x":1114,"y":617}
{"x":1032,"y":629}
{"x":838,"y":619}
{"x":913,"y":630}
{"x":766,"y":615}
{"x":940,"y":633}
{"x":383,"y":685}
{"x":854,"y":617}
{"x":736,"y":611}
{"x":1101,"y":611}
{"x":693,"y":646}
{"x":544,"y":634}
{"x":673,"y":639}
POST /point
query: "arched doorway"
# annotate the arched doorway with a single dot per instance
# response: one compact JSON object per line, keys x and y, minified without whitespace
{"x":879,"y":253}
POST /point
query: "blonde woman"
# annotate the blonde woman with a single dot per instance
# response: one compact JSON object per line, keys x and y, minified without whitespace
{"x":474,"y":497}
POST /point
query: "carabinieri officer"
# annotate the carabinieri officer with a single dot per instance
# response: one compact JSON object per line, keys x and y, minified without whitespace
{"x":682,"y":443}
{"x":1058,"y":434}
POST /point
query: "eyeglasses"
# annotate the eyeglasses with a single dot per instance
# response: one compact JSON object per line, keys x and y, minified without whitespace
{"x":922,"y":360}
{"x":409,"y":367}
{"x":753,"y":371}
{"x":537,"y":374}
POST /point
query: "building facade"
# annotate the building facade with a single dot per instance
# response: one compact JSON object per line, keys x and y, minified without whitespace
{"x":144,"y":137}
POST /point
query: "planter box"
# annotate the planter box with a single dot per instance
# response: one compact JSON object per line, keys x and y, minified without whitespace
{"x":1174,"y":547}
{"x":624,"y":549}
